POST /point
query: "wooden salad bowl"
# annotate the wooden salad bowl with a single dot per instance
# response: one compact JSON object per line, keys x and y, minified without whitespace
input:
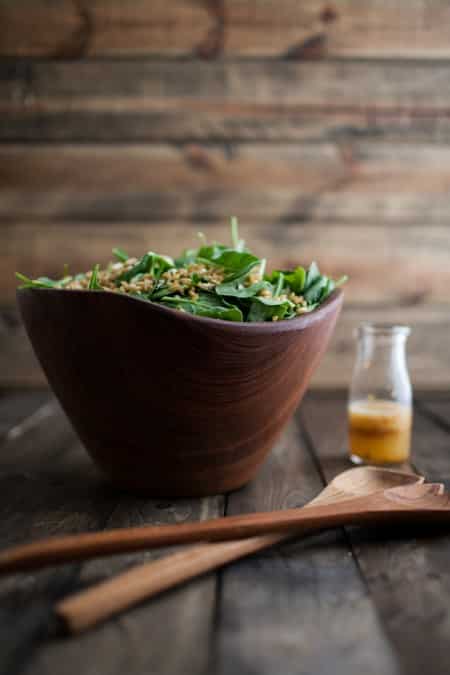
{"x":168,"y":403}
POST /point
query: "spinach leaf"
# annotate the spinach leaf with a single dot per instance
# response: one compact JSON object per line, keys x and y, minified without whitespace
{"x":188,"y":256}
{"x":150,"y":263}
{"x":314,"y":292}
{"x":308,"y":308}
{"x":120,"y":255}
{"x":159,"y":291}
{"x":279,"y":285}
{"x":238,"y":244}
{"x":331,"y":286}
{"x":141,"y":267}
{"x":93,"y":281}
{"x":342,"y":280}
{"x":312,"y":275}
{"x":242,"y":273}
{"x":327,"y":289}
{"x":236,"y":288}
{"x":204,"y":307}
{"x":235,"y":263}
{"x":235,"y":284}
{"x":273,"y":276}
{"x":211,"y":253}
{"x":296,"y":279}
{"x":41,"y":282}
{"x":160,"y":264}
{"x":264,"y":309}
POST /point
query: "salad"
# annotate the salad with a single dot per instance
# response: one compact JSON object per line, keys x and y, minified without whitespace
{"x":213,"y":280}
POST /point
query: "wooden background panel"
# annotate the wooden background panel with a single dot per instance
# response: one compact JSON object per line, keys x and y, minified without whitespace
{"x":66,"y":29}
{"x":307,"y":29}
{"x":324,"y":126}
{"x":223,"y":100}
{"x":393,"y":265}
{"x":339,"y":28}
{"x":428,"y":348}
{"x":352,"y":182}
{"x":394,"y":85}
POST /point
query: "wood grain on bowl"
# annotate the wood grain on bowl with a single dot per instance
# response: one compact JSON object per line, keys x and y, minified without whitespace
{"x":168,"y":403}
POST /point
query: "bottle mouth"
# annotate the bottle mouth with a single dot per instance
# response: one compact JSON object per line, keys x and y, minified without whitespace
{"x":383,"y":329}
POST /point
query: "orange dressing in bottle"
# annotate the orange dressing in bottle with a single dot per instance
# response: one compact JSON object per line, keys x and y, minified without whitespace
{"x":379,"y":431}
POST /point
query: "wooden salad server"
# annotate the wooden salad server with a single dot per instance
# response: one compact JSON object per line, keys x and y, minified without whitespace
{"x":413,"y":501}
{"x":87,"y":608}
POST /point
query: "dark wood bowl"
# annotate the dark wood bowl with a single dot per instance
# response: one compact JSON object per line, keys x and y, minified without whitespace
{"x":168,"y":403}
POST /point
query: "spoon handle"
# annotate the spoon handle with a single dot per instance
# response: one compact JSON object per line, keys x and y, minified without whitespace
{"x":89,"y":545}
{"x":89,"y":607}
{"x":358,"y":510}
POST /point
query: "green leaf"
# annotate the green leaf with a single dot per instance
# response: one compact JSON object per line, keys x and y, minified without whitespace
{"x":150,"y":263}
{"x":278,"y":285}
{"x":205,"y":307}
{"x":237,"y":262}
{"x":120,"y":255}
{"x":312,"y":275}
{"x":159,"y":291}
{"x":41,"y":282}
{"x":235,"y":289}
{"x":238,"y":244}
{"x":342,"y":280}
{"x":234,"y":262}
{"x":142,"y":266}
{"x":315,"y":290}
{"x":273,"y":276}
{"x":262,"y":267}
{"x":264,"y":309}
{"x":188,"y":256}
{"x":327,"y":289}
{"x":212,"y":253}
{"x":309,"y":308}
{"x":234,"y":285}
{"x":93,"y":281}
{"x":331,"y":286}
{"x":160,"y":264}
{"x":296,"y":280}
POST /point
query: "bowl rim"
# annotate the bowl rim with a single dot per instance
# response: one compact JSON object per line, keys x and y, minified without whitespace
{"x":302,"y":321}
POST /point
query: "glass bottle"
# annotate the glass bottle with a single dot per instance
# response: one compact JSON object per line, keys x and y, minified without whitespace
{"x":380,"y":402}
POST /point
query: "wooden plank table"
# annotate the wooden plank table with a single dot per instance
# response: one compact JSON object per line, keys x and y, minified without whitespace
{"x":352,"y":602}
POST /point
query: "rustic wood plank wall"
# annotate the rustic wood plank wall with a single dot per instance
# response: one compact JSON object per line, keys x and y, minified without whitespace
{"x":324,"y":125}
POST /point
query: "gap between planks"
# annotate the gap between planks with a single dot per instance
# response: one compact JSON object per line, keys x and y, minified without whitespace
{"x":405,"y":571}
{"x":66,"y":495}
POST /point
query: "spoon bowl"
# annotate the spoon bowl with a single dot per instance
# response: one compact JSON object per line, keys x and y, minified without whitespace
{"x":365,"y":480}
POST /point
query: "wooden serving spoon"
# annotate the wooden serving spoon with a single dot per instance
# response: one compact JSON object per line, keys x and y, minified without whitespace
{"x":419,"y":503}
{"x":56,"y":550}
{"x":87,"y":608}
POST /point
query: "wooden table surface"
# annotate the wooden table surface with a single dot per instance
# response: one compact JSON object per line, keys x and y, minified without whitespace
{"x":353,"y":602}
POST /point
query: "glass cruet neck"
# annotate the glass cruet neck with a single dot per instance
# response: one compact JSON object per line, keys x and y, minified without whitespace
{"x":382,"y":341}
{"x":385,"y":330}
{"x":380,"y":369}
